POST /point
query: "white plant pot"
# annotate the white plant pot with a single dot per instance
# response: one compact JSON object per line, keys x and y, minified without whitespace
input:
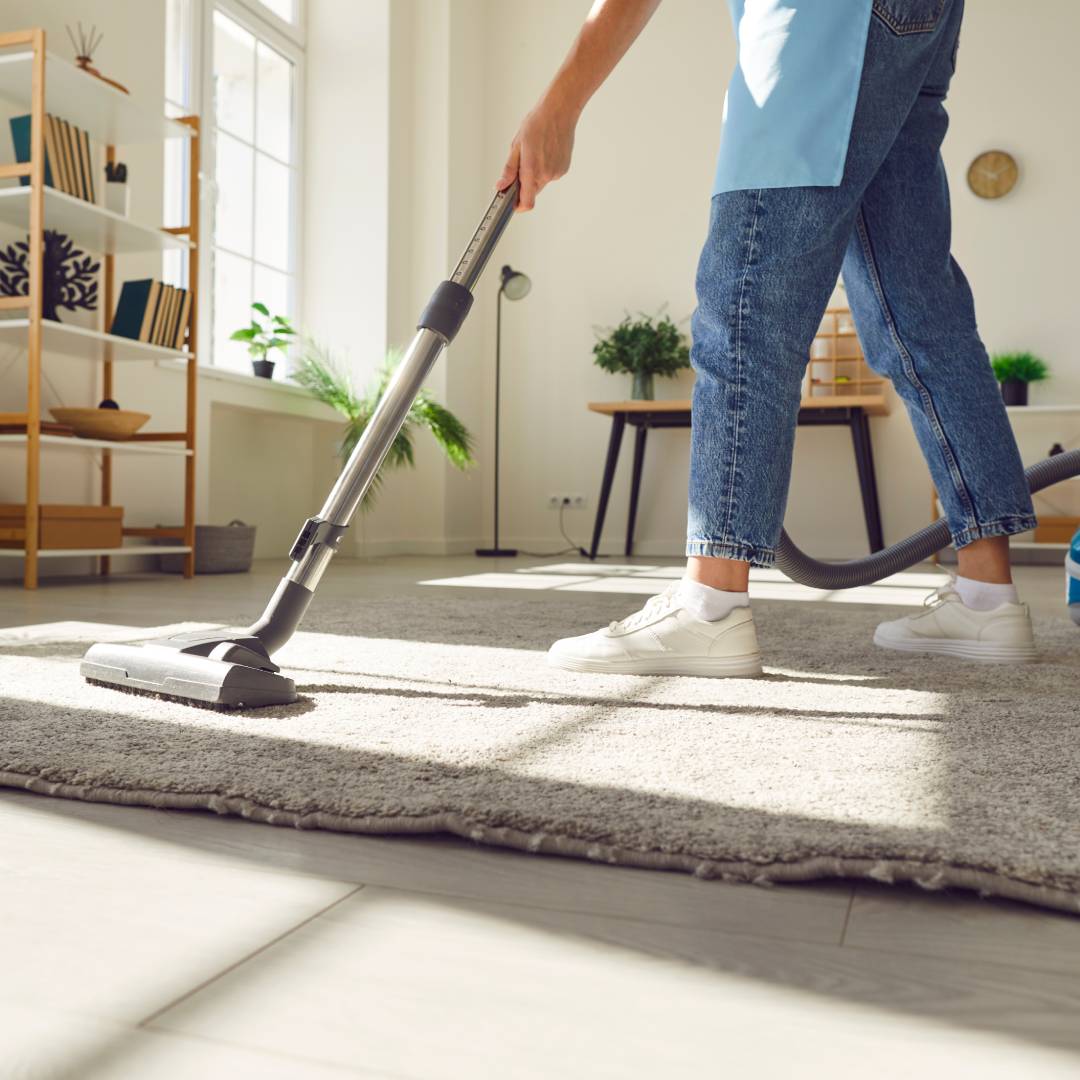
{"x":117,"y":197}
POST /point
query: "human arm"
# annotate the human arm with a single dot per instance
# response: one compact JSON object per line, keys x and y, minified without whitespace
{"x":541,"y":149}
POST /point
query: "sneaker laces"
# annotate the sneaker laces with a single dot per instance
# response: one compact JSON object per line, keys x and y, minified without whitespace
{"x":943,"y":594}
{"x":652,"y":607}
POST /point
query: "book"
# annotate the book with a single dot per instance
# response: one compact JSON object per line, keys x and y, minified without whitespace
{"x":62,"y":158}
{"x":182,"y":322}
{"x":71,"y":148}
{"x":128,"y":318}
{"x":87,"y":159}
{"x":65,"y":140}
{"x":174,"y":329}
{"x":52,"y":163}
{"x":149,"y":311}
{"x":157,"y":332}
{"x":170,"y":315}
{"x":20,"y":137}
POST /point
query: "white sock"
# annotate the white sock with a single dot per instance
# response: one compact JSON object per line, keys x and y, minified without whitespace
{"x":709,"y":604}
{"x":984,"y":595}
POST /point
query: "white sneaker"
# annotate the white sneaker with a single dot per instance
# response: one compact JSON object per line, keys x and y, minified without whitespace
{"x":948,"y":627}
{"x":663,"y":638}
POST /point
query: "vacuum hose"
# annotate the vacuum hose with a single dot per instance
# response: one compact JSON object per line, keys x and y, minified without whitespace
{"x":817,"y":574}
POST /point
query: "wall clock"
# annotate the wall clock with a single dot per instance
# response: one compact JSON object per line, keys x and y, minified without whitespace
{"x":992,"y":174}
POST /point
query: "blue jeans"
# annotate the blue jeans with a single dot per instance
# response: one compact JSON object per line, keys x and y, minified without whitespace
{"x":767,"y":271}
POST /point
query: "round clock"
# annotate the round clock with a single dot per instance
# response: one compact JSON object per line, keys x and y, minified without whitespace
{"x":992,"y":174}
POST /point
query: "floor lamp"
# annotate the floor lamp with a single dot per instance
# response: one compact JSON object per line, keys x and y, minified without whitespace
{"x":514,"y":286}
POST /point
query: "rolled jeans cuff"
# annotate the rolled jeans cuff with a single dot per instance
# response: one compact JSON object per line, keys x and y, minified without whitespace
{"x":754,"y":554}
{"x":1004,"y":526}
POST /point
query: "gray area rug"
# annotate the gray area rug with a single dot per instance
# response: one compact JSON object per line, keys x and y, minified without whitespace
{"x":437,"y":713}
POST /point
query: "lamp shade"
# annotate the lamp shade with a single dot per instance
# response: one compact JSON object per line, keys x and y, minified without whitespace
{"x":515,"y":285}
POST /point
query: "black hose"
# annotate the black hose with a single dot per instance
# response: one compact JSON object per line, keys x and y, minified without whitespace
{"x":891,"y":560}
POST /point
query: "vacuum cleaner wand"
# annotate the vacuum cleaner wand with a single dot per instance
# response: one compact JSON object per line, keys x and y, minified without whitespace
{"x":220,"y":670}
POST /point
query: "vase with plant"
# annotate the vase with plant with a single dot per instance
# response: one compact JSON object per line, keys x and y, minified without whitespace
{"x":644,"y":348}
{"x":319,"y":373}
{"x":261,"y":337}
{"x":1015,"y":371}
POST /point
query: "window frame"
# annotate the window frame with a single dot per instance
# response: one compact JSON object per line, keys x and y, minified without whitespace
{"x":287,"y":39}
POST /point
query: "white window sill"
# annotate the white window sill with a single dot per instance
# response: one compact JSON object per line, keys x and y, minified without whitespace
{"x":254,"y":392}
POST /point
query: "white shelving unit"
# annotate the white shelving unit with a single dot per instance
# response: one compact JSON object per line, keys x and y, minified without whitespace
{"x":90,"y":226}
{"x":107,"y":113}
{"x":37,"y":82}
{"x":70,"y":442}
{"x":112,"y":552}
{"x":87,"y":343}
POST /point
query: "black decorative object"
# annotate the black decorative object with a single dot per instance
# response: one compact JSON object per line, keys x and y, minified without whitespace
{"x":514,"y":285}
{"x":70,"y":275}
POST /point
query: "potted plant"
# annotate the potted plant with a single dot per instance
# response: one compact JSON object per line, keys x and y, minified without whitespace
{"x":643,"y":347}
{"x":262,"y":337}
{"x":1014,"y":371}
{"x":319,"y":373}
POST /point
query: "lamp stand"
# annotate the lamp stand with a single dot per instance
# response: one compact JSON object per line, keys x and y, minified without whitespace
{"x":496,"y":552}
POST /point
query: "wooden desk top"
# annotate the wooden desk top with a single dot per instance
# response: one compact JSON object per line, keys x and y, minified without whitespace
{"x":874,"y":404}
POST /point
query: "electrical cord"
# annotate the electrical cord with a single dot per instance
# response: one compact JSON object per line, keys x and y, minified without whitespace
{"x":574,"y":545}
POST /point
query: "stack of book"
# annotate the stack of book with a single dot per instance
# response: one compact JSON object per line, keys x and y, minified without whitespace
{"x":68,"y":160}
{"x":150,"y":311}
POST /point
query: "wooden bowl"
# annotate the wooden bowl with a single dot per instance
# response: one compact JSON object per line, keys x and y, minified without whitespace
{"x":114,"y":424}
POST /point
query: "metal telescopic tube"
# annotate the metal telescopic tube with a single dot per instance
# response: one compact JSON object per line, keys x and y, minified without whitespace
{"x":393,"y":408}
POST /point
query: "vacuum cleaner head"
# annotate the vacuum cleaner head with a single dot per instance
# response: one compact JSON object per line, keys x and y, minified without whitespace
{"x":212,"y":672}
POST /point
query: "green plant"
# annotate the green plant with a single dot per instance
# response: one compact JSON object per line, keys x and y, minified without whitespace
{"x":260,"y":337}
{"x":319,"y":373}
{"x":1019,"y":367}
{"x":650,"y":345}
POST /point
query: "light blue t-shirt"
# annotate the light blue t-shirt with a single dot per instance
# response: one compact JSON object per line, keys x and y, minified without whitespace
{"x":790,"y":103}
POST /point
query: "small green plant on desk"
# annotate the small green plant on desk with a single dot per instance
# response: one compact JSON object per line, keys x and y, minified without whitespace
{"x":644,"y":347}
{"x":261,"y":338}
{"x":1015,"y":371}
{"x":319,"y":373}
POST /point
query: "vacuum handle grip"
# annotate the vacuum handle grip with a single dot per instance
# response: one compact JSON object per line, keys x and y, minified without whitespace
{"x":471,"y":264}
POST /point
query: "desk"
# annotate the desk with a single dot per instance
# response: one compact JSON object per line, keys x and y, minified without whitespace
{"x":852,"y":412}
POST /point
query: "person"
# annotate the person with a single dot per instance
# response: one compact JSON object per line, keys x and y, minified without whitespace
{"x":829,"y":163}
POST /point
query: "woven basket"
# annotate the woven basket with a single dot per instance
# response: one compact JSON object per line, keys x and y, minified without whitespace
{"x":219,"y":549}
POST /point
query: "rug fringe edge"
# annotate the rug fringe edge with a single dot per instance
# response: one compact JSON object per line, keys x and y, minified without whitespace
{"x":930,"y":876}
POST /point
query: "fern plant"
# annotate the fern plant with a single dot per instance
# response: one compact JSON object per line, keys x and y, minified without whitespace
{"x":320,"y":374}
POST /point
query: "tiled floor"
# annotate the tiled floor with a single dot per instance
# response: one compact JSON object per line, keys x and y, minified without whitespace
{"x":141,"y":943}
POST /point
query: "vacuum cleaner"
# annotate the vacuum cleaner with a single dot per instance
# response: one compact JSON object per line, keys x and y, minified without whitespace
{"x":219,"y":670}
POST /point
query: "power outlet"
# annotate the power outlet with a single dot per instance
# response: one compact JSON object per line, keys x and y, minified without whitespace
{"x":567,"y":501}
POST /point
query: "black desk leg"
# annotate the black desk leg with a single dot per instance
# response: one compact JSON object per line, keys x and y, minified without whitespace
{"x":864,"y":463}
{"x":635,"y":485}
{"x":618,"y":422}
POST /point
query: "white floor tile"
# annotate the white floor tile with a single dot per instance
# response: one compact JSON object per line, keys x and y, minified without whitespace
{"x":430,"y":988}
{"x":116,"y":925}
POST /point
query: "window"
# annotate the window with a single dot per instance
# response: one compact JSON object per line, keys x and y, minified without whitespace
{"x":283,"y":9}
{"x":179,"y":101}
{"x":251,"y":203}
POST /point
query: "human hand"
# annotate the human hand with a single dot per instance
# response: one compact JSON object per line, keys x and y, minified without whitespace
{"x":540,"y":151}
